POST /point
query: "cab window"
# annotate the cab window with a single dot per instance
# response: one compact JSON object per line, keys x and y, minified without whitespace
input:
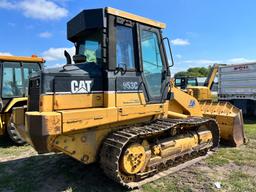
{"x":152,"y":62}
{"x":15,"y":78}
{"x":124,"y":47}
{"x":192,"y":82}
{"x":28,"y":69}
{"x":91,"y":48}
{"x":177,"y":82}
{"x":12,"y":85}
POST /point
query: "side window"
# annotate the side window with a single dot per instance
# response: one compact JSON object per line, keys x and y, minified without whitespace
{"x":192,"y":82}
{"x":177,"y":82}
{"x":124,"y":47}
{"x":152,"y":62}
{"x":151,"y":51}
{"x":18,"y":77}
{"x":7,"y":88}
{"x":28,"y":69}
{"x":12,"y":85}
{"x":91,"y":47}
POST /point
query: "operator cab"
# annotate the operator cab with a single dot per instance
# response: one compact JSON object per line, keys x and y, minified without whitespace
{"x":116,"y":53}
{"x":127,"y":47}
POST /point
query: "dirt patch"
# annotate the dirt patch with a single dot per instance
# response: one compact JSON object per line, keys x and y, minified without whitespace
{"x":21,"y":169}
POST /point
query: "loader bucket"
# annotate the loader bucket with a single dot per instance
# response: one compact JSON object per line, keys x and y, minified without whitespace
{"x":230,"y":120}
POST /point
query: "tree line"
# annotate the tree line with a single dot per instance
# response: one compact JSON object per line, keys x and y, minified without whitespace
{"x":194,"y":72}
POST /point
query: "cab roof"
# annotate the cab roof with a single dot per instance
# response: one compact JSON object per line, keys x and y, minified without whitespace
{"x":134,"y":17}
{"x":33,"y":58}
{"x":92,"y":19}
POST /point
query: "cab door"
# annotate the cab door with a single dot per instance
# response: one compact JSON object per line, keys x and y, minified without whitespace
{"x":154,"y":65}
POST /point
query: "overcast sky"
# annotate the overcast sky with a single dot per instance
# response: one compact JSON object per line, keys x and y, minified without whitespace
{"x":202,"y":32}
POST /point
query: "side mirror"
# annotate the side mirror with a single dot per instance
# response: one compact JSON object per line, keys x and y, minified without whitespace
{"x":170,"y":49}
{"x":79,"y":58}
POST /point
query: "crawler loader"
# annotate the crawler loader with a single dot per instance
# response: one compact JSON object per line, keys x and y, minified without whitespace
{"x":116,"y":104}
{"x":14,"y":72}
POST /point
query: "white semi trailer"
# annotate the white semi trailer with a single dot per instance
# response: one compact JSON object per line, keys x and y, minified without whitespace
{"x":237,"y":84}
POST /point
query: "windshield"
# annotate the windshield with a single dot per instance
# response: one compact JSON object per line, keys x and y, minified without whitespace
{"x":15,"y":78}
{"x":91,"y":48}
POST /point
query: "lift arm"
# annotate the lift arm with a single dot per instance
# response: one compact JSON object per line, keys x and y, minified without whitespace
{"x":210,"y":79}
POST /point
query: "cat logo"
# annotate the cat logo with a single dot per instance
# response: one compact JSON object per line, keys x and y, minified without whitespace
{"x":82,"y":86}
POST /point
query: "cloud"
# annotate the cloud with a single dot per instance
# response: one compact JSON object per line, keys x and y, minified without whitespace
{"x":239,"y":60}
{"x":5,"y":4}
{"x":57,"y":54}
{"x":200,"y":62}
{"x":42,"y":9}
{"x":206,"y":62}
{"x":36,"y":9}
{"x":45,"y":34}
{"x":178,"y":56}
{"x":56,"y":65}
{"x":180,"y":42}
{"x":5,"y":54}
{"x":183,"y":64}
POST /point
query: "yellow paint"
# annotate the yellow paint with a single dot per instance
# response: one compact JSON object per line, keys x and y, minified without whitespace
{"x":2,"y":130}
{"x":51,"y":122}
{"x":82,"y":113}
{"x":133,"y":159}
{"x":90,"y":140}
{"x":19,"y":115}
{"x":22,"y":59}
{"x":133,"y":17}
{"x":129,"y":99}
{"x":180,"y":144}
{"x":229,"y":118}
{"x":74,"y":120}
{"x":86,"y":118}
{"x":46,"y":103}
{"x":77,"y":101}
{"x":181,"y":103}
{"x":212,"y":75}
{"x":203,"y":93}
{"x":175,"y":115}
{"x":133,"y":112}
{"x":109,"y":99}
{"x":13,"y":102}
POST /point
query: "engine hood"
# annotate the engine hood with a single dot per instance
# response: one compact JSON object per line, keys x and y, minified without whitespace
{"x":75,"y":78}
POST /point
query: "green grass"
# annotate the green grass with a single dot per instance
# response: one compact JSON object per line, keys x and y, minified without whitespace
{"x":240,"y":182}
{"x":26,"y":171}
{"x":244,"y":155}
{"x":250,"y":129}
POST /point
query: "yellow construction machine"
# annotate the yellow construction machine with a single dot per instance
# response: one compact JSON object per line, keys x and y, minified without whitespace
{"x":15,"y":73}
{"x":203,"y":93}
{"x":228,"y":116}
{"x":116,"y":104}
